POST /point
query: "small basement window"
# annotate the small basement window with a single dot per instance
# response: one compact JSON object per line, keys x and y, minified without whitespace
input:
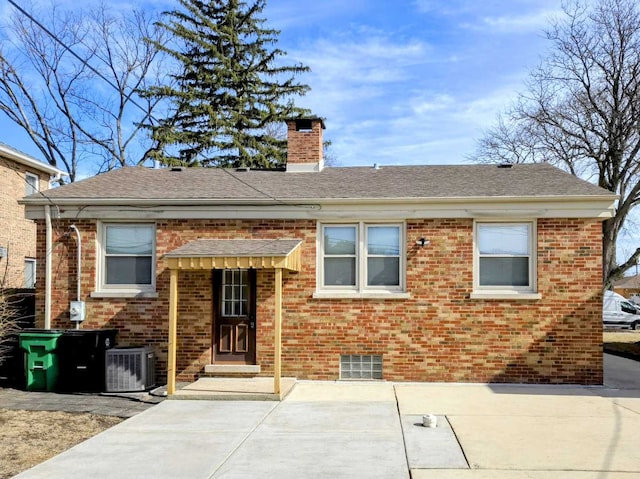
{"x":360,"y":366}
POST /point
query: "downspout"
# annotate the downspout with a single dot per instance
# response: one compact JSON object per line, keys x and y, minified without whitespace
{"x":48,"y":266}
{"x":48,"y":259}
{"x":78,"y":267}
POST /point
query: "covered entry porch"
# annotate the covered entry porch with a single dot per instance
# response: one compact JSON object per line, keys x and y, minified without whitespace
{"x":211,"y":254}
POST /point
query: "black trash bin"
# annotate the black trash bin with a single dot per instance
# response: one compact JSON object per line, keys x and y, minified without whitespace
{"x":82,"y":354}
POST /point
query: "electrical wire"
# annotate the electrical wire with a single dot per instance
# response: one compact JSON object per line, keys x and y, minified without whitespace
{"x":277,"y":200}
{"x":80,"y":59}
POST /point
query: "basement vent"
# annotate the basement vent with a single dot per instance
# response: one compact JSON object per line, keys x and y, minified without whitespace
{"x":129,"y":369}
{"x":356,"y":366}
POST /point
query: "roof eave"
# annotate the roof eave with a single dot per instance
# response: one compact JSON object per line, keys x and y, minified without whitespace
{"x":61,"y":201}
{"x":26,"y":160}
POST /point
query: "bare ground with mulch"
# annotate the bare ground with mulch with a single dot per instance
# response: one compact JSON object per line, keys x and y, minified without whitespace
{"x":28,"y":438}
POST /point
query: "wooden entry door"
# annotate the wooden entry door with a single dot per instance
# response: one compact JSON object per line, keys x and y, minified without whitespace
{"x":235,"y":322}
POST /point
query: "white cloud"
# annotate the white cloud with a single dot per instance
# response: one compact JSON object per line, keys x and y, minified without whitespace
{"x":291,"y":14}
{"x":533,"y":22}
{"x":437,"y":102}
{"x":352,"y":74}
{"x":394,"y":99}
{"x":495,"y":16}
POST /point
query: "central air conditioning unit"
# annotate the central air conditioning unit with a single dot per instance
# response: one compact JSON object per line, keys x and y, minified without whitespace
{"x":129,"y":369}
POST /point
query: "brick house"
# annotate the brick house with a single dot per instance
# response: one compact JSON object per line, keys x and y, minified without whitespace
{"x":20,"y":175}
{"x":629,"y":286}
{"x":473,"y":273}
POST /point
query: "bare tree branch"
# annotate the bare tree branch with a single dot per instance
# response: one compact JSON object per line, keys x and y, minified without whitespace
{"x":76,"y":95}
{"x":581,"y":110}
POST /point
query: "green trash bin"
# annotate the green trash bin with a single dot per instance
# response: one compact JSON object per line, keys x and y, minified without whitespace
{"x":41,"y":359}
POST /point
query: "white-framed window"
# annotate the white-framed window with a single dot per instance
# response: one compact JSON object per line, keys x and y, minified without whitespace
{"x":361,"y":257}
{"x":32,"y":184}
{"x":504,"y":257}
{"x":29,"y":273}
{"x":127,"y":257}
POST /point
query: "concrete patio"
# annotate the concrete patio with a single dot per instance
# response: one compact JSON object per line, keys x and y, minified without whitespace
{"x":374,"y":430}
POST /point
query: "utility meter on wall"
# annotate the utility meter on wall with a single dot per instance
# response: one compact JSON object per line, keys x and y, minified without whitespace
{"x":76,"y":311}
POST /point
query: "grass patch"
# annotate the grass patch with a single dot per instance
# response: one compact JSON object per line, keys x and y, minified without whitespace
{"x":622,"y":343}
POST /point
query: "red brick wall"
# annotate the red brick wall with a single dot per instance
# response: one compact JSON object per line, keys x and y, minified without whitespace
{"x":17,"y":234}
{"x":439,"y":334}
{"x":304,"y":146}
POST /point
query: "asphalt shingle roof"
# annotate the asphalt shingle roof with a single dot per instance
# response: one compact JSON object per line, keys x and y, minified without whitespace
{"x":212,"y":184}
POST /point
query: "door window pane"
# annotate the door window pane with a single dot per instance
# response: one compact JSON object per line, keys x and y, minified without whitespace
{"x":235,"y":292}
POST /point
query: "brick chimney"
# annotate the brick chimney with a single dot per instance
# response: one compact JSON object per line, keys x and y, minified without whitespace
{"x":304,"y":145}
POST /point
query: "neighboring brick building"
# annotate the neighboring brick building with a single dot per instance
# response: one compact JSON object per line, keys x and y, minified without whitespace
{"x":20,"y":175}
{"x":410,"y":273}
{"x":629,"y":286}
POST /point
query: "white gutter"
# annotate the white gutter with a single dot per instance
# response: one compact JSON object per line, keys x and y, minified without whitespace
{"x":22,"y":158}
{"x":133,"y":202}
{"x":48,"y":266}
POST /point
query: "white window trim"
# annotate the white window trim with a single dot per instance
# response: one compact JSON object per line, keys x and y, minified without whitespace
{"x":360,"y":290}
{"x":28,"y":186}
{"x":121,"y":290}
{"x":507,"y":292}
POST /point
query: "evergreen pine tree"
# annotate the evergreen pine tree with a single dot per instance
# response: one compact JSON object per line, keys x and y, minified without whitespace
{"x":229,"y":89}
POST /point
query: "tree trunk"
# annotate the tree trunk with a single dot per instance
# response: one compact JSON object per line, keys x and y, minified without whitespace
{"x":609,"y":262}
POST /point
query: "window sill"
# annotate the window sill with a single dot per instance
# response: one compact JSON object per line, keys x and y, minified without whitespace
{"x":357,"y":295}
{"x":124,"y":294}
{"x":505,"y":295}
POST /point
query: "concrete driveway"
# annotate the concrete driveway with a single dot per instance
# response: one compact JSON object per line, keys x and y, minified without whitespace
{"x":373,"y":430}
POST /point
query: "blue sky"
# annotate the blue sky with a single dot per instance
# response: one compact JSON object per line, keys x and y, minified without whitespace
{"x":404,"y":82}
{"x":411,"y":82}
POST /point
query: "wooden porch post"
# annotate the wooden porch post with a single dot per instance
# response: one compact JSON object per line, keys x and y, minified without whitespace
{"x":277,"y":334}
{"x":173,"y":328}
